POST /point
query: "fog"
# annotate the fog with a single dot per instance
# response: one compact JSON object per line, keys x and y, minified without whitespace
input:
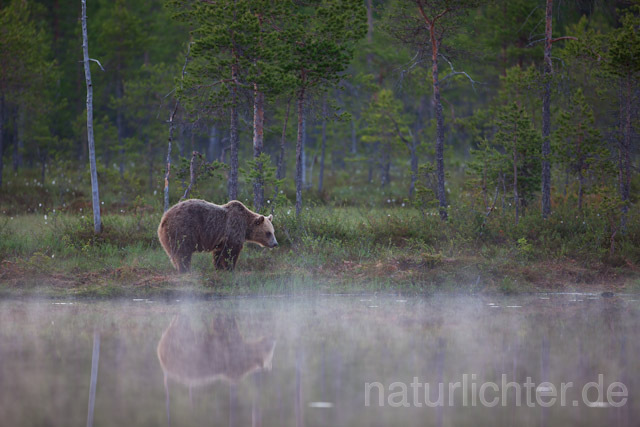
{"x":324,"y":360}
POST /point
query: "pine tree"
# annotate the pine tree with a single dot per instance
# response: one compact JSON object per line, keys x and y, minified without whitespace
{"x":424,"y":24}
{"x":623,"y":63}
{"x":387,"y":127}
{"x":520,"y":143}
{"x":578,"y":144}
{"x":26,"y":72}
{"x":322,"y":38}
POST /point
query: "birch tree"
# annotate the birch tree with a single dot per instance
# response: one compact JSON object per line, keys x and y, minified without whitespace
{"x":95,"y":195}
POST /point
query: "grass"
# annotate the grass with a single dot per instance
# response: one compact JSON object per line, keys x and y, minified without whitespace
{"x":328,"y":250}
{"x":355,"y":237}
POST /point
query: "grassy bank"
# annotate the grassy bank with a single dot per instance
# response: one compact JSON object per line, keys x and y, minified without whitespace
{"x":330,"y":249}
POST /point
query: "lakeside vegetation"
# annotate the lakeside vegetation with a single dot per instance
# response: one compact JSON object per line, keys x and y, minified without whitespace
{"x":385,"y":245}
{"x":403,"y":146}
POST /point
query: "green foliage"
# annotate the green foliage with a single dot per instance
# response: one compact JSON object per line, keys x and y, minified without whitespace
{"x":204,"y":172}
{"x":320,"y":46}
{"x":248,"y":36}
{"x":385,"y":128}
{"x":579,"y":147}
{"x":425,"y":197}
{"x":261,"y":171}
{"x":24,"y":53}
{"x":322,"y":36}
{"x":384,"y":121}
{"x":520,"y":143}
{"x":524,"y":247}
{"x":624,"y":44}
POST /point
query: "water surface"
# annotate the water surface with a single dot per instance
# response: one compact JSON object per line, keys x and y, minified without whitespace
{"x":318,"y":361}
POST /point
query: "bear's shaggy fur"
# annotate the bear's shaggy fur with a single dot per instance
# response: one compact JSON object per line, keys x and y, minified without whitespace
{"x":199,"y":226}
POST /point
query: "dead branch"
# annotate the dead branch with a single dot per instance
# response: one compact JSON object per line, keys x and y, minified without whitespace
{"x":557,"y":39}
{"x":97,"y":62}
{"x":455,"y":73}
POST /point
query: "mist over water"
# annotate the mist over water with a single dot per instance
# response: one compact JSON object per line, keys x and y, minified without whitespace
{"x":308,"y":360}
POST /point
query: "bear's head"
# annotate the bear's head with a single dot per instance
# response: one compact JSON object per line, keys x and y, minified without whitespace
{"x":261,"y":232}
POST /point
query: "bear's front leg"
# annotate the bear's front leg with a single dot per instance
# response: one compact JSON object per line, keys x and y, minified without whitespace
{"x":226,"y":256}
{"x":218,"y":260}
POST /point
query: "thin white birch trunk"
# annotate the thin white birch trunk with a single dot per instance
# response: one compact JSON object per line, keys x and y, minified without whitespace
{"x":95,"y":195}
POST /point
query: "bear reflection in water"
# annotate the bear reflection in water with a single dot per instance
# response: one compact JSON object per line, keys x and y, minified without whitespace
{"x":197,"y":356}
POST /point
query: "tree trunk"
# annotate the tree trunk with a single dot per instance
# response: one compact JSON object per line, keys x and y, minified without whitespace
{"x":233,"y":137}
{"x":324,"y":145}
{"x":95,"y":196}
{"x":353,"y":136}
{"x":580,"y":187}
{"x":20,"y":135}
{"x":369,"y":31}
{"x":484,"y":182}
{"x":304,"y":152}
{"x":413,"y":151}
{"x":119,"y":127}
{"x":625,"y":164}
{"x":516,"y":200}
{"x":385,"y":165}
{"x":299,"y":143}
{"x":504,"y":190}
{"x":193,"y":174}
{"x":437,"y":104}
{"x":82,"y":147}
{"x":192,"y":137}
{"x":43,"y":166}
{"x":150,"y":160}
{"x":169,"y":144}
{"x":546,"y":115}
{"x":385,"y":170}
{"x":213,"y":143}
{"x":181,"y":151}
{"x":171,"y":128}
{"x":258,"y":143}
{"x":181,"y":139}
{"x":372,"y":161}
{"x":16,"y":149}
{"x":1,"y":134}
{"x":280,"y":171}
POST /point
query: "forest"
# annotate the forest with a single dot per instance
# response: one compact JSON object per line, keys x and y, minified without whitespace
{"x":412,"y":144}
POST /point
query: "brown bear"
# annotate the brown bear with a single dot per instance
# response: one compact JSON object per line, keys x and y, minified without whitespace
{"x":199,"y":226}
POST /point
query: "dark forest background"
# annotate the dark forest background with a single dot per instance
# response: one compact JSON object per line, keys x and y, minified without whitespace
{"x":370,"y":124}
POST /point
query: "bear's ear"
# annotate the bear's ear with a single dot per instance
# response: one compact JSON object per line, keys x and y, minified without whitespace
{"x":270,"y":218}
{"x":260,"y":220}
